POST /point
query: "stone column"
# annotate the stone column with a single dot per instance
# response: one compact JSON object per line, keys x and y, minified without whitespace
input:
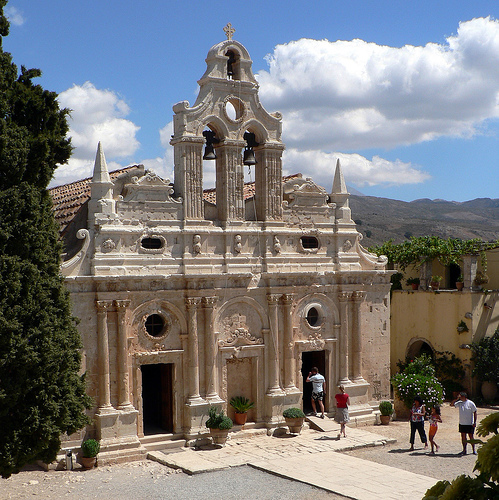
{"x":357,"y":298}
{"x":273,"y":347}
{"x":268,"y":182}
{"x":192,"y":304}
{"x":123,"y":368}
{"x":289,"y":359}
{"x":210,"y":349}
{"x":230,"y":182}
{"x":188,"y":154}
{"x":104,"y":394}
{"x":343,"y":298}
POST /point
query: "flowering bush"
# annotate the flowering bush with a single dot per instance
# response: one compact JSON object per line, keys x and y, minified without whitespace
{"x":418,"y":379}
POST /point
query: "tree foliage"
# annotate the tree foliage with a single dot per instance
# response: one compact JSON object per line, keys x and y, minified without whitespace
{"x":421,"y":249}
{"x":41,"y":392}
{"x":485,"y":485}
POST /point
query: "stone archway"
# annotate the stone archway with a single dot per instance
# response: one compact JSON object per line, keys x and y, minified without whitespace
{"x":419,"y":346}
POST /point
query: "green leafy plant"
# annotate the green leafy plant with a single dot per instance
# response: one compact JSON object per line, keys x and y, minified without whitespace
{"x":218,"y":420}
{"x":412,"y":281}
{"x":462,"y":327}
{"x":485,"y":485}
{"x":293,"y":413}
{"x":485,"y":354}
{"x":90,"y":448}
{"x":241,"y":404}
{"x":460,"y":279}
{"x":386,"y":408}
{"x":480,"y":278}
{"x":418,"y":379}
{"x":422,"y":249}
{"x":436,"y":279}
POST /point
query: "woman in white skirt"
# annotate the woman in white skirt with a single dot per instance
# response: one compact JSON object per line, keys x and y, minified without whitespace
{"x":341,"y":416}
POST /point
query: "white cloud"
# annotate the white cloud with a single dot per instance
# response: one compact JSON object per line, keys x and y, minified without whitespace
{"x":354,"y":95}
{"x":357,"y":169}
{"x":14,"y":16}
{"x":96,"y":115}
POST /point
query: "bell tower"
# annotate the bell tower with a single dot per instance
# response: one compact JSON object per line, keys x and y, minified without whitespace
{"x":227,"y":124}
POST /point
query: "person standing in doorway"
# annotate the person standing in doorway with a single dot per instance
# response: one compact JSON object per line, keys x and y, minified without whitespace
{"x":467,"y":419}
{"x":318,"y":389}
{"x":341,"y":416}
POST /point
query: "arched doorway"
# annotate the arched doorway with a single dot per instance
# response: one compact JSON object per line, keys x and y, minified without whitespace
{"x":419,"y":347}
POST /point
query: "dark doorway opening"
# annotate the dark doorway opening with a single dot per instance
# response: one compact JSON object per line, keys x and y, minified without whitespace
{"x":308,"y":361}
{"x":454,"y":274}
{"x":157,"y":398}
{"x":418,"y":348}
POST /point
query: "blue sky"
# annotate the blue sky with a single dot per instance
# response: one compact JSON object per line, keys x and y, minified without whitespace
{"x":406,"y":94}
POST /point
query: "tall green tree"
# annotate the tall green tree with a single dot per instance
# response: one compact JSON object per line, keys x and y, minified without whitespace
{"x":42,"y":394}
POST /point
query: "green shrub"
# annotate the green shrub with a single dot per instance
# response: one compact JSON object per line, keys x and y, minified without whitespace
{"x":90,"y":448}
{"x":218,"y":420}
{"x":225,"y":423}
{"x":418,"y":379}
{"x":386,"y":408}
{"x":293,"y":413}
{"x":485,"y":354}
{"x":241,"y":404}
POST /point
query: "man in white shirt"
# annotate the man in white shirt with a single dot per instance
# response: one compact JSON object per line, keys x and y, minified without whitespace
{"x":467,"y":419}
{"x":318,"y":389}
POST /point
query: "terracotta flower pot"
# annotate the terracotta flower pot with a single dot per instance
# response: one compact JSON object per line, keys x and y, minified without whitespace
{"x":385,"y":419}
{"x":435,"y":285}
{"x":415,"y":286}
{"x":88,"y":462}
{"x":219,"y":436}
{"x":295,"y":424}
{"x":459,"y":285}
{"x":489,"y":390}
{"x":240,"y":418}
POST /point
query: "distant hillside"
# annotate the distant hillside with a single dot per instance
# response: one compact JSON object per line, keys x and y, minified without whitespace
{"x":381,"y":219}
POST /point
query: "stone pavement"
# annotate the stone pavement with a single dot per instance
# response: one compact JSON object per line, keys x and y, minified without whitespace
{"x":311,"y":457}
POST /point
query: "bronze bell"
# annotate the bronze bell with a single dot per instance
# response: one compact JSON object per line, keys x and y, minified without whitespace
{"x":209,"y":152}
{"x":249,"y":157}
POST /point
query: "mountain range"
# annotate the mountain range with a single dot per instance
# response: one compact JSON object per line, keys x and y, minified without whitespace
{"x":382,"y":219}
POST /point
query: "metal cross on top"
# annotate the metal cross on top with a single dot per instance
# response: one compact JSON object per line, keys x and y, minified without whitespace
{"x":229,"y":31}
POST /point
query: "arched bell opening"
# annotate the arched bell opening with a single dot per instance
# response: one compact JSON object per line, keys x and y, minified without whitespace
{"x":233,"y":64}
{"x":213,"y":138}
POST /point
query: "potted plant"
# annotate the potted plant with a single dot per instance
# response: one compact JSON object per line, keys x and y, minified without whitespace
{"x":460,"y":283}
{"x":386,"y":409}
{"x":435,"y":282}
{"x":294,"y":419}
{"x":89,"y":450}
{"x":414,"y":282}
{"x":480,"y":279}
{"x":462,"y":327}
{"x":485,"y":354}
{"x":219,"y":425}
{"x":241,"y":407}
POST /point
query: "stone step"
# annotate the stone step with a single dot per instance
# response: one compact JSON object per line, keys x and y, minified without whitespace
{"x":166,"y":442}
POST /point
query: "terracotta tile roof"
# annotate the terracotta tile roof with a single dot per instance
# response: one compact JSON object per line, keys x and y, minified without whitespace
{"x":210,"y":195}
{"x":69,"y":198}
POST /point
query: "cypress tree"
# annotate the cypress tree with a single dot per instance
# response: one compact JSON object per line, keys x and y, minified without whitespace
{"x":42,"y":394}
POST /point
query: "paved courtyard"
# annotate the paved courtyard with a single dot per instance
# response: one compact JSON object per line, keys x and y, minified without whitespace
{"x":372,"y":462}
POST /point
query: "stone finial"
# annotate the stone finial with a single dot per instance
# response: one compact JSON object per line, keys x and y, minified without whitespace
{"x":101,"y":173}
{"x":339,"y":186}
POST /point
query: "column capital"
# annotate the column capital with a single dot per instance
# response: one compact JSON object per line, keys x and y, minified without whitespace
{"x":288,"y":298}
{"x":209,"y":302}
{"x":192,"y":302}
{"x":103,"y":305}
{"x":358,"y":295}
{"x":122,"y":304}
{"x":273,"y":298}
{"x":344,"y":296}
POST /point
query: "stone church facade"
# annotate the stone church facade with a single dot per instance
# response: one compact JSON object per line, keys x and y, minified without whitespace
{"x":187,"y":298}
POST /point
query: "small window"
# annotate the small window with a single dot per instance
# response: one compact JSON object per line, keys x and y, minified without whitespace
{"x":151,"y":243}
{"x":154,"y":325}
{"x":313,"y":316}
{"x":309,"y":242}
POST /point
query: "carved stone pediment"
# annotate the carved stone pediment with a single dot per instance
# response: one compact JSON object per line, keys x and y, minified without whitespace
{"x":304,"y":193}
{"x":237,"y":332}
{"x":149,"y":187}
